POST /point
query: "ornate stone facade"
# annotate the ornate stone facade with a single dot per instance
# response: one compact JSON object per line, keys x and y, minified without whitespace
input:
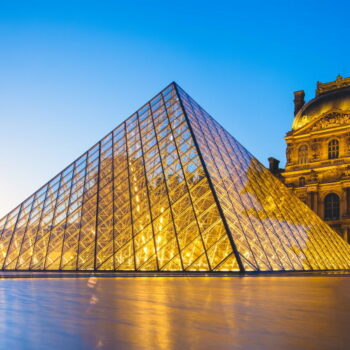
{"x":318,"y":153}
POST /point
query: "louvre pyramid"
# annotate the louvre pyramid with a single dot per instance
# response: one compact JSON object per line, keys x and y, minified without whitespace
{"x":167,"y":190}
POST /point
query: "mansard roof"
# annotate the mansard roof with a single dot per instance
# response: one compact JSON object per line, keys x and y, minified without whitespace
{"x":324,"y":102}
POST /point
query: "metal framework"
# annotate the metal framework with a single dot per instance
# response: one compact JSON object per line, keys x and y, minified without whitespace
{"x":167,"y":190}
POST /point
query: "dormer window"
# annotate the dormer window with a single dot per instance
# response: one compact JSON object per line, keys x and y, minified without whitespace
{"x":302,"y":154}
{"x":333,"y":149}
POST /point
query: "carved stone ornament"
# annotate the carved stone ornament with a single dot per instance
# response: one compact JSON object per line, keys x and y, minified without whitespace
{"x":346,"y":173}
{"x":315,"y":147}
{"x":289,"y":151}
{"x":313,"y":177}
{"x":332,"y":120}
{"x":347,"y":141}
{"x":340,"y":82}
{"x":332,"y":174}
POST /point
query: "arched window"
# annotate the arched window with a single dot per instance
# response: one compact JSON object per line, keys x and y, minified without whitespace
{"x":302,"y":154}
{"x":331,"y":207}
{"x":301,"y":181}
{"x":333,"y":149}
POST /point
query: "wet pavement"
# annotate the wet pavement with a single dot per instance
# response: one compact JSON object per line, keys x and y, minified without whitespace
{"x":265,"y":312}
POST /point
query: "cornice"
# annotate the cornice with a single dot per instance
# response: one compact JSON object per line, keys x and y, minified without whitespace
{"x":320,"y":133}
{"x":318,"y":166}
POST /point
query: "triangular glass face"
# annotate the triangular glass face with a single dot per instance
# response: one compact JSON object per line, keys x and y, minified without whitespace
{"x":270,"y":227}
{"x":167,"y":190}
{"x":138,"y":200}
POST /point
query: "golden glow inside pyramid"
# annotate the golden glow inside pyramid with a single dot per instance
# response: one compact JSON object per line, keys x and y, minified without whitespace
{"x":167,"y":190}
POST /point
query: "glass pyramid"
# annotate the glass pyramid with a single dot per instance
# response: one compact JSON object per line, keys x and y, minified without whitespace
{"x":167,"y":190}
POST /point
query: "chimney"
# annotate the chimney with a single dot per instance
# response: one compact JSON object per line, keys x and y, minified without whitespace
{"x":273,"y":165}
{"x":299,"y":100}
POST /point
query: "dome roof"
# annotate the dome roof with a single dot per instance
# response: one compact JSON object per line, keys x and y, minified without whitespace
{"x":336,"y":99}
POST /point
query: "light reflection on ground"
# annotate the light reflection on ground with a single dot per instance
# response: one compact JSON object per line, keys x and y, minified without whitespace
{"x":175,"y":313}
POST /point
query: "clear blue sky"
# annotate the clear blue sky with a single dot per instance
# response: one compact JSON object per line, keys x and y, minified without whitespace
{"x":72,"y":70}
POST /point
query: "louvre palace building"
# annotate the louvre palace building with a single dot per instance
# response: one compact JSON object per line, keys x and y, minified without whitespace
{"x":318,"y":153}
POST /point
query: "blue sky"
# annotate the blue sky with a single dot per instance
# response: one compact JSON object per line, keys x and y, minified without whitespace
{"x":72,"y":70}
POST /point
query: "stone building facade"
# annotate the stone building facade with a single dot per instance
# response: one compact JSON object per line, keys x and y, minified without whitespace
{"x":318,"y":153}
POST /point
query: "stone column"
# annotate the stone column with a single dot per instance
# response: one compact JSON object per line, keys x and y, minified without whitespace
{"x":347,"y":202}
{"x":315,"y":201}
{"x":311,"y":200}
{"x":346,"y":234}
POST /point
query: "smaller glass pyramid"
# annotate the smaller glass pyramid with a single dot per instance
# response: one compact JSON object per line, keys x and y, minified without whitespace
{"x":167,"y":190}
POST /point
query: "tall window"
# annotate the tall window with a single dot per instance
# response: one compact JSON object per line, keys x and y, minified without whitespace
{"x":301,"y":181}
{"x":331,"y":207}
{"x":302,"y":154}
{"x":333,"y":149}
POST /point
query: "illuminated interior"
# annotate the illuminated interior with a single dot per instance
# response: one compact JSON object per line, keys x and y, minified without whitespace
{"x":167,"y":190}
